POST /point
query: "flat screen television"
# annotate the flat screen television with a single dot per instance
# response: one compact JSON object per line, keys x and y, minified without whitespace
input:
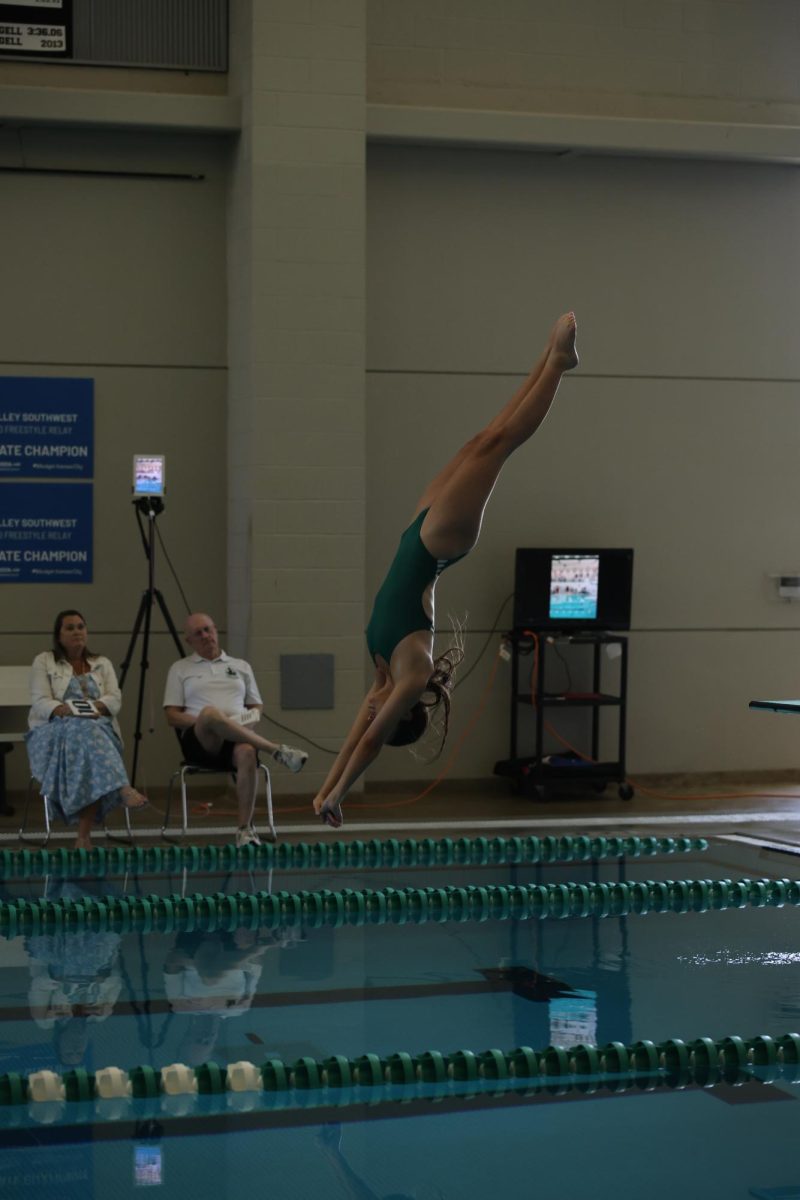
{"x":573,"y":589}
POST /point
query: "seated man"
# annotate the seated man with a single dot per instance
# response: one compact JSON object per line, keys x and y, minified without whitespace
{"x":212,"y":700}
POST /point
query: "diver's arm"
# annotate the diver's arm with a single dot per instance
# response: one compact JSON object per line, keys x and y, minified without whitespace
{"x":373,"y":738}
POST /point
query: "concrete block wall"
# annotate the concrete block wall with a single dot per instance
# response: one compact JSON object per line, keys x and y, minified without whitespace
{"x":712,"y":60}
{"x":296,"y":354}
{"x":304,"y":72}
{"x":127,"y":289}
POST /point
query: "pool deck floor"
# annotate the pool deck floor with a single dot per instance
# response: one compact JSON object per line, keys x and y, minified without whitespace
{"x":765,"y":810}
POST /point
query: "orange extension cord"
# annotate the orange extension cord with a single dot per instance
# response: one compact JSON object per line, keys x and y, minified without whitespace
{"x":205,"y":809}
{"x":385,"y":804}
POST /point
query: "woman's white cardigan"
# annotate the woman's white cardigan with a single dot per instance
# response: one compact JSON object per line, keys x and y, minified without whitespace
{"x":50,"y":679}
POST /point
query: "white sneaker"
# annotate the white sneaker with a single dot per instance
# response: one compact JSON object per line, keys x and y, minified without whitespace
{"x":295,"y":760}
{"x":247,"y":836}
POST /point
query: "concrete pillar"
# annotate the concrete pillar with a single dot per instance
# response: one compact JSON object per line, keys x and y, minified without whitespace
{"x":296,"y":439}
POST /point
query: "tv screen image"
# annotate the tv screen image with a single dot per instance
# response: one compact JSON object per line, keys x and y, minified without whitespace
{"x":561,"y":588}
{"x":573,"y":586}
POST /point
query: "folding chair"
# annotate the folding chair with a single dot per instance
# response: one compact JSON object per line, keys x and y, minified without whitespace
{"x":38,"y":841}
{"x":25,"y":837}
{"x":185,"y":770}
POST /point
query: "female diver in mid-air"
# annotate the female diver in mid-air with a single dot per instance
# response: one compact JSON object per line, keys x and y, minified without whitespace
{"x":409,"y":682}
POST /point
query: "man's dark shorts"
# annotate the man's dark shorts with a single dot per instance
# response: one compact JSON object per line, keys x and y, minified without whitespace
{"x":198,"y":756}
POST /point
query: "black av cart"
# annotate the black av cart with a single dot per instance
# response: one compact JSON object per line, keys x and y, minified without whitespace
{"x":535,"y":772}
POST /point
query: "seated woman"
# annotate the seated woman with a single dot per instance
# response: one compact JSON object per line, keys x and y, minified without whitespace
{"x":77,"y":760}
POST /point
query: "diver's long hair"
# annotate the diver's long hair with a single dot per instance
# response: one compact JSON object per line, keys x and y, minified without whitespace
{"x":433,"y":707}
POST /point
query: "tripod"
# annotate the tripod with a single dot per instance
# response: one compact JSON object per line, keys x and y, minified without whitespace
{"x":151,"y":507}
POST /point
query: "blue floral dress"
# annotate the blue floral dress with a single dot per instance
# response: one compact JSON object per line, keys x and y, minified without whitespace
{"x":78,"y":760}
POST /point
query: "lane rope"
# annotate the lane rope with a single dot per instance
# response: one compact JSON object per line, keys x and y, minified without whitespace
{"x":389,"y":906}
{"x":645,"y":1064}
{"x":102,"y":861}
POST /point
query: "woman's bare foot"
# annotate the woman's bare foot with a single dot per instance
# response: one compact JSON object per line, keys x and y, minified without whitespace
{"x":83,"y":843}
{"x":331,"y":814}
{"x":562,"y":342}
{"x":133,"y":799}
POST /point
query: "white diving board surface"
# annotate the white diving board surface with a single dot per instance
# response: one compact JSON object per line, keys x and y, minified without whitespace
{"x":782,"y":706}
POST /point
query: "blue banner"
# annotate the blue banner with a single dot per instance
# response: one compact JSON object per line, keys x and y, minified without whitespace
{"x":45,"y":532}
{"x":46,"y":427}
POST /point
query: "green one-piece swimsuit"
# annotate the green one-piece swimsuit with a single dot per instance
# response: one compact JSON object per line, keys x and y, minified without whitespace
{"x":398,"y":609}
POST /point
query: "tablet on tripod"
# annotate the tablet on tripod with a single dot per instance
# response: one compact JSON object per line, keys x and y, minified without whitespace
{"x":148,"y":474}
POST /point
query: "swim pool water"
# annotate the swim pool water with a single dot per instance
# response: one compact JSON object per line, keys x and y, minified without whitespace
{"x":101,"y":999}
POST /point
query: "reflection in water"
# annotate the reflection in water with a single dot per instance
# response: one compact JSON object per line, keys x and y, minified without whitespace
{"x":211,"y":977}
{"x":329,"y":1140}
{"x":571,"y":981}
{"x":527,"y":982}
{"x":75,"y":979}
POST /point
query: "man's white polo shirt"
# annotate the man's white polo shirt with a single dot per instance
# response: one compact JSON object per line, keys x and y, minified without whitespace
{"x":226,"y":683}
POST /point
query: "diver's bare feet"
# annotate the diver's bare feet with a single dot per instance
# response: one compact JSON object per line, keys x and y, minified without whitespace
{"x":83,"y":843}
{"x":133,"y":799}
{"x":563,"y":352}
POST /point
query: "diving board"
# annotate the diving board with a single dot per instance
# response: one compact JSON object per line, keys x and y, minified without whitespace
{"x":783,"y":706}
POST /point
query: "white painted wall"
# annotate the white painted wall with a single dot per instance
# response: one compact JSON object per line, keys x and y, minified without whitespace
{"x":121,"y":279}
{"x":296,"y":352}
{"x":680,"y":426}
{"x":711,"y":60}
{"x":678,"y":436}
